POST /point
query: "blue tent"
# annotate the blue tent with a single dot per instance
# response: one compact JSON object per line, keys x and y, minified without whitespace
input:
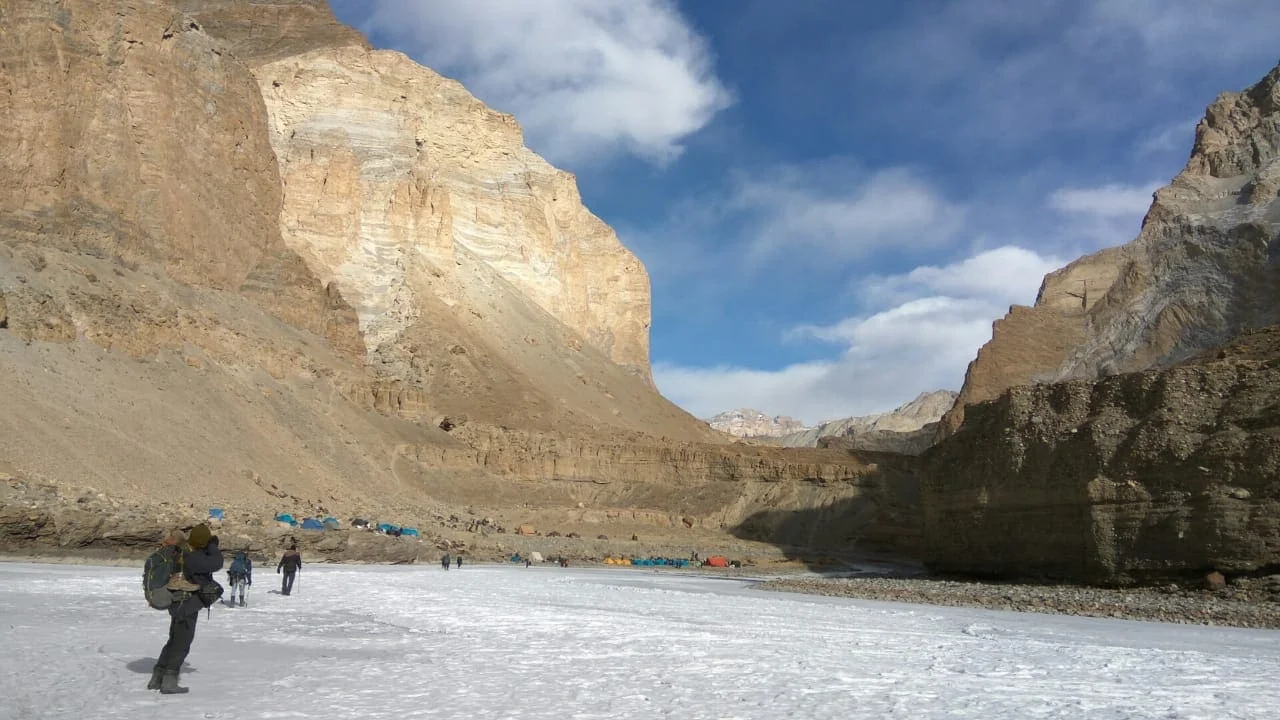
{"x":286,"y":518}
{"x":387,"y":527}
{"x":410,"y":532}
{"x":215,"y":513}
{"x":312,"y":524}
{"x":331,"y":522}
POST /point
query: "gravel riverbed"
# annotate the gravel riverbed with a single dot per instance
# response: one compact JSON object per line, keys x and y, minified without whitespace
{"x":1246,"y":602}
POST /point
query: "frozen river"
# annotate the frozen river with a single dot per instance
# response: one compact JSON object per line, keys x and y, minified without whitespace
{"x":509,"y":642}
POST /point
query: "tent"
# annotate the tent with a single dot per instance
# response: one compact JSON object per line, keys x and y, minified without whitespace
{"x":359,"y":523}
{"x":409,"y":532}
{"x":331,"y":522}
{"x":535,"y":556}
{"x":312,"y":524}
{"x":215,"y":513}
{"x":717,"y":561}
{"x":286,"y":518}
{"x":387,"y":527}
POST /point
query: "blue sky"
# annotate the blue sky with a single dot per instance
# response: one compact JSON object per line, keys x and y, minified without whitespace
{"x":835,"y":198}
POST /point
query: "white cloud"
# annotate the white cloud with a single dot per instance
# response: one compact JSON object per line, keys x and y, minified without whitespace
{"x":1175,"y":137}
{"x":1004,"y":276}
{"x":932,"y":325}
{"x":1106,"y":215}
{"x":1010,"y":73}
{"x":586,"y":78}
{"x":845,"y":221}
{"x":1105,"y":202}
{"x":1185,"y":33}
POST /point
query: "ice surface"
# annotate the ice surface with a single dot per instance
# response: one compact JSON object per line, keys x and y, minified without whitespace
{"x":509,"y":642}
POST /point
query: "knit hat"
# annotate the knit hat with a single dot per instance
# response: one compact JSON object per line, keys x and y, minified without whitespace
{"x":199,"y":536}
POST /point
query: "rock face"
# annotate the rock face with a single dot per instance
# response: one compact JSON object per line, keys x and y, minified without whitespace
{"x":1205,"y":266}
{"x":1160,"y":474}
{"x":246,"y":261}
{"x":880,"y":431}
{"x":391,"y":172}
{"x":748,"y":423}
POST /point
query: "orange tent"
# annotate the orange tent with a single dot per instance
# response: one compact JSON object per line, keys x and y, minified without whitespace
{"x":717,"y":561}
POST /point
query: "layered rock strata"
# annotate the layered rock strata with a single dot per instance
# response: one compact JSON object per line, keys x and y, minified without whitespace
{"x":246,"y":261}
{"x":1138,"y":477}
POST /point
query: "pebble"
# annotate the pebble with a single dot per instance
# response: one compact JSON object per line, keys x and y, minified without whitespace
{"x":1246,"y":603}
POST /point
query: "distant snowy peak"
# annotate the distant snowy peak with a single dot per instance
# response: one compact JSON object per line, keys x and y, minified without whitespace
{"x":926,"y":408}
{"x":748,"y":423}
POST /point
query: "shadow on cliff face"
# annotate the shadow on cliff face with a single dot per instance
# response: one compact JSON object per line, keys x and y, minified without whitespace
{"x":879,"y":521}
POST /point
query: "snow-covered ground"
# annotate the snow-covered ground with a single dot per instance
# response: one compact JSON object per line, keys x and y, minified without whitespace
{"x":509,"y":642}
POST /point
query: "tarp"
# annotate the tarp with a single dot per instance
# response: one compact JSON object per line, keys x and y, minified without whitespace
{"x":409,"y":532}
{"x":312,"y":524}
{"x":535,"y":556}
{"x":215,"y":513}
{"x":718,"y":561}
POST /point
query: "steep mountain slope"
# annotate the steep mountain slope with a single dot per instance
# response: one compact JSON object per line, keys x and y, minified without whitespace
{"x":1205,"y":266}
{"x":247,"y":261}
{"x":925,"y":409}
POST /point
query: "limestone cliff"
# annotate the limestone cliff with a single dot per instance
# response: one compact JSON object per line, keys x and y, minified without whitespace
{"x":247,"y":261}
{"x":1205,"y":266}
{"x":1138,"y":477}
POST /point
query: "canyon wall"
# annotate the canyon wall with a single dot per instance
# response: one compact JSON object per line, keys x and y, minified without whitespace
{"x":1205,"y":266}
{"x":1163,"y":474}
{"x":246,"y":261}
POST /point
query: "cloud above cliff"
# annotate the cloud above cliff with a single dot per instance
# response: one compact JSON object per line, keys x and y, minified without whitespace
{"x":932,"y":322}
{"x":587,"y":79}
{"x":837,"y":232}
{"x":920,"y":328}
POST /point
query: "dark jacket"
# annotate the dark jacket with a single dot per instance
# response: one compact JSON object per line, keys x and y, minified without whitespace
{"x":291,"y":561}
{"x":243,"y":569}
{"x":198,"y":566}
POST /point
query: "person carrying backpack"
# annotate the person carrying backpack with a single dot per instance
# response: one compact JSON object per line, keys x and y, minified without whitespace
{"x":240,"y":575}
{"x":291,"y":563}
{"x":197,"y":558}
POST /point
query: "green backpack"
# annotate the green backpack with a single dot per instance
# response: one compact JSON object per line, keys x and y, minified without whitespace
{"x":160,"y":566}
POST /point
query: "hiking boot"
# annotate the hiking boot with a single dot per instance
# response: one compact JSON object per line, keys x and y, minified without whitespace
{"x":156,"y":674}
{"x":241,"y":602}
{"x":169,"y":685}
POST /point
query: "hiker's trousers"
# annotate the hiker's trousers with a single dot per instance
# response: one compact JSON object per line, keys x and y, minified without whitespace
{"x":182,"y":630}
{"x":286,"y":583}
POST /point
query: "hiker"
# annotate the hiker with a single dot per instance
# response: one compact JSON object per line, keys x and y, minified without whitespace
{"x":200,"y":558}
{"x":445,"y":561}
{"x":459,"y":560}
{"x":291,"y":563}
{"x":240,"y":576}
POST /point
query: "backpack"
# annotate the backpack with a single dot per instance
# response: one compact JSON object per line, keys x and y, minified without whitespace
{"x":160,"y":566}
{"x":242,"y":565}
